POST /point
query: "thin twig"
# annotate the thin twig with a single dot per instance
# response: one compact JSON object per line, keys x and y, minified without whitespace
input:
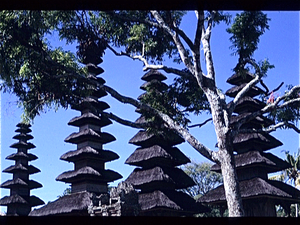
{"x":200,"y":124}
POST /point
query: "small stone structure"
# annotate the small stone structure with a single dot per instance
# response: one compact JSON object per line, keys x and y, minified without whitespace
{"x":253,"y":163}
{"x":157,"y":175}
{"x":19,"y":202}
{"x":122,"y":201}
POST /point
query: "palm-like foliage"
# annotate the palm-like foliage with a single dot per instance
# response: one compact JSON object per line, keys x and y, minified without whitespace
{"x":291,"y":175}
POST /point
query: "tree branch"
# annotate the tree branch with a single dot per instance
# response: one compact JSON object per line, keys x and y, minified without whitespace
{"x":272,"y":106}
{"x":149,"y":66}
{"x":206,"y":34}
{"x":169,"y":122}
{"x":282,"y":125}
{"x":200,"y":124}
{"x":242,"y":93}
{"x":272,"y":128}
{"x":182,"y":52}
{"x":125,"y":122}
{"x":276,"y":89}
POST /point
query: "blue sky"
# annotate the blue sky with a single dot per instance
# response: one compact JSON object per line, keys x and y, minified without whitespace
{"x":280,"y":45}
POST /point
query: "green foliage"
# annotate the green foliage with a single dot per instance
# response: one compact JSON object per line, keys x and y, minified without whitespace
{"x":188,"y":95}
{"x":125,"y":29}
{"x":67,"y":191}
{"x":246,"y":30}
{"x":40,"y":77}
{"x":204,"y":178}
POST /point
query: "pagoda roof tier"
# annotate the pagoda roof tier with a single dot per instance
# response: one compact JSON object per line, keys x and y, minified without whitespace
{"x":17,"y":199}
{"x":254,"y":189}
{"x":94,"y":69}
{"x":31,"y":184}
{"x":35,"y":201}
{"x":16,"y":168}
{"x":90,"y":103}
{"x":252,"y":92}
{"x":153,"y":74}
{"x":145,"y":139}
{"x":243,"y":142}
{"x":140,"y":120}
{"x":87,"y":151}
{"x":155,"y":84}
{"x":90,"y":135}
{"x":13,"y":199}
{"x":13,"y":183}
{"x":237,"y":79}
{"x":247,"y":104}
{"x":87,"y":174}
{"x":258,"y":122}
{"x":73,"y":203}
{"x":89,"y":118}
{"x":158,"y":177}
{"x":91,"y":59}
{"x":22,"y":144}
{"x":178,"y":202}
{"x":23,"y":136}
{"x":96,"y":92}
{"x":24,"y":125}
{"x":20,"y":155}
{"x":142,"y":96}
{"x":255,"y":158}
{"x":24,"y":130}
{"x":158,"y":156}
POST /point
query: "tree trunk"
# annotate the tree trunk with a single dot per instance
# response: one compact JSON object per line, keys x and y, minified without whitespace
{"x":231,"y":184}
{"x":225,"y":154}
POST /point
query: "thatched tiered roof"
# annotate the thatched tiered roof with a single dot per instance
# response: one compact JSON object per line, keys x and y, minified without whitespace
{"x":145,"y":139}
{"x":255,"y":188}
{"x":259,"y":195}
{"x":266,"y":161}
{"x":254,"y":91}
{"x":254,"y":141}
{"x":89,"y":158}
{"x":169,"y":203}
{"x":89,"y":175}
{"x":20,"y":202}
{"x":157,"y":155}
{"x":158,"y":178}
{"x":75,"y":204}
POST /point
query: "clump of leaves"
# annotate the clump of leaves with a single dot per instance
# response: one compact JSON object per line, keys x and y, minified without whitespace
{"x":246,"y":30}
{"x":187,"y":94}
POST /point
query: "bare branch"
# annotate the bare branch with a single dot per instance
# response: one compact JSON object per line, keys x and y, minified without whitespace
{"x":276,"y":89}
{"x":182,"y":51}
{"x":169,"y":122}
{"x":196,"y":49}
{"x":200,"y":124}
{"x":272,"y":128}
{"x":272,"y":106}
{"x":282,"y":125}
{"x":265,"y":86}
{"x":148,"y":66}
{"x":242,"y":92}
{"x":125,"y":122}
{"x":206,"y":34}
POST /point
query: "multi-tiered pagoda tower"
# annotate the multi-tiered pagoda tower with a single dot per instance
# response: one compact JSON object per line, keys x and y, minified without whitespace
{"x":89,"y":176}
{"x":157,"y":176}
{"x":253,"y":163}
{"x":19,"y":202}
